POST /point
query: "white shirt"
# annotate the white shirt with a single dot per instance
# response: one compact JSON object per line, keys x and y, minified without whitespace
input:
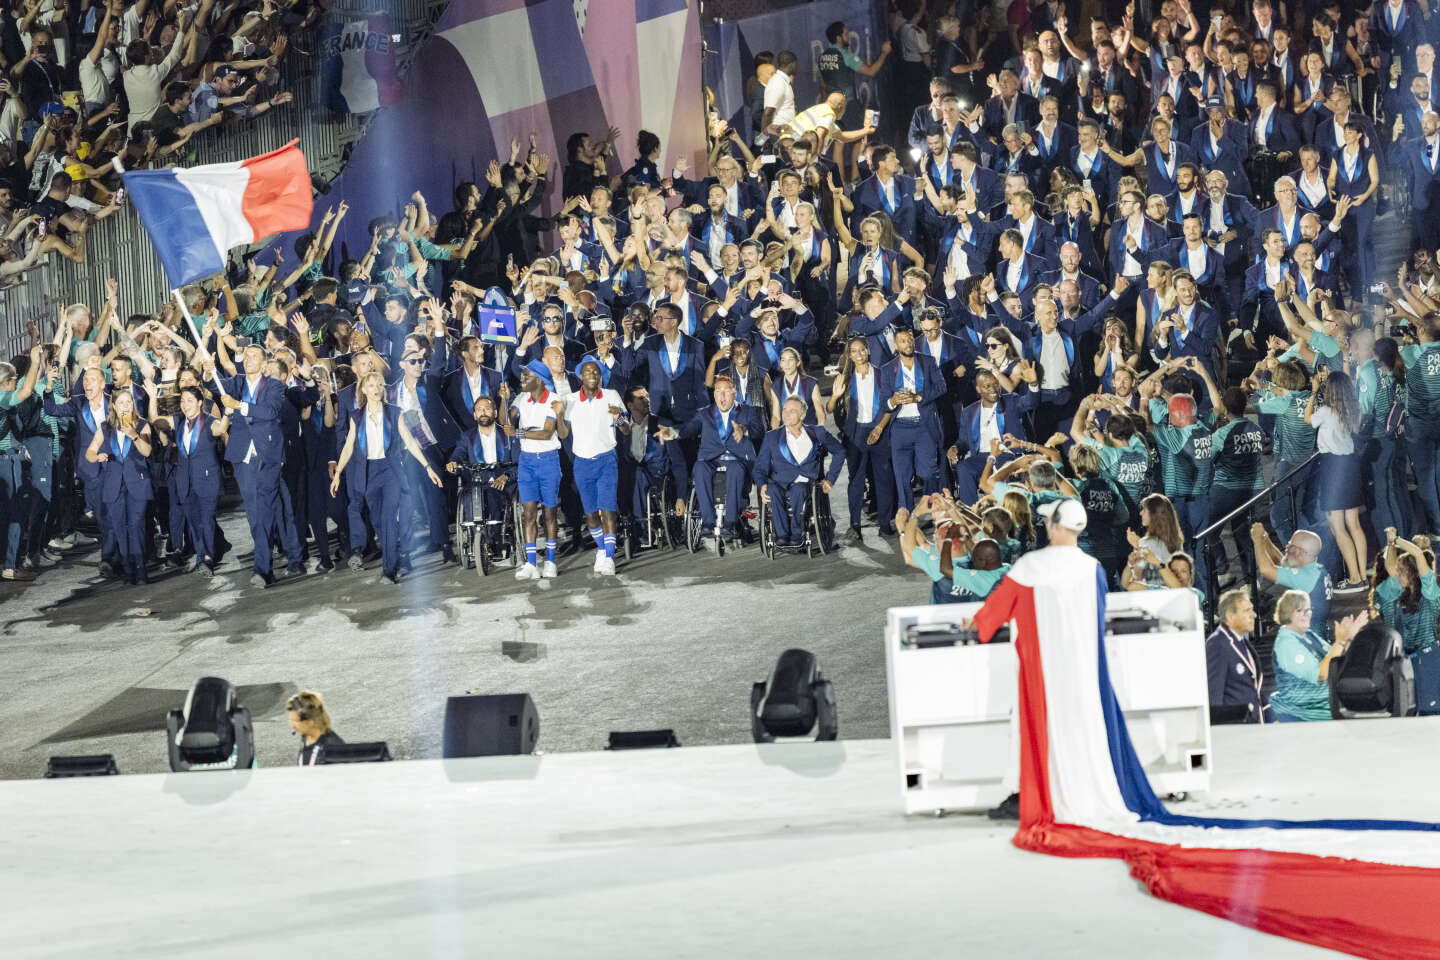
{"x":1316,"y":191}
{"x":1272,"y":273}
{"x":865,"y":397}
{"x":533,"y":416}
{"x":800,"y":446}
{"x":1054,"y":366}
{"x":989,"y":426}
{"x":639,"y":438}
{"x":1217,"y":224}
{"x":409,"y":402}
{"x":1087,"y":162}
{"x":959,"y":260}
{"x":1195,"y":261}
{"x":1013,"y":273}
{"x":1330,"y":434}
{"x":375,"y":433}
{"x":489,"y":445}
{"x":592,"y":425}
{"x":1132,"y":266}
{"x":905,"y":380}
{"x":1261,"y":123}
{"x":477,"y":382}
{"x":673,"y":349}
{"x":780,"y":95}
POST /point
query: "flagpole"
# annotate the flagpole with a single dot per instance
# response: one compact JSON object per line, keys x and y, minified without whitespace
{"x":199,"y":343}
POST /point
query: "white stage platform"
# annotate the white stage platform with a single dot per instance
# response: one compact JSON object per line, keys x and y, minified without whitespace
{"x":738,"y":851}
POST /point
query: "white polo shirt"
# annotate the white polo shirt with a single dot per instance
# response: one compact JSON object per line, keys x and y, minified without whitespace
{"x":592,"y":425}
{"x":533,"y":416}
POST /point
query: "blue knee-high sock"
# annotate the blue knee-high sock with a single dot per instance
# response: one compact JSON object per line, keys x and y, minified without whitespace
{"x":550,"y":551}
{"x":596,"y":534}
{"x":609,"y":546}
{"x":530,"y":553}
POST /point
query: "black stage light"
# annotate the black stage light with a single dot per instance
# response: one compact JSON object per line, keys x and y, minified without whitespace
{"x":641,"y":739}
{"x":212,"y":732}
{"x":797,"y":701}
{"x":375,"y":752}
{"x":490,"y":726}
{"x":93,"y":765}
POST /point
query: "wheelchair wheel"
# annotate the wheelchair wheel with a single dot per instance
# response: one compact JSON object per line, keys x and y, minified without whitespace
{"x":692,"y":523}
{"x":464,"y":535}
{"x":767,"y":536}
{"x":517,"y":533}
{"x":822,"y":524}
{"x":625,"y":530}
{"x":484,"y":558}
{"x":660,"y":522}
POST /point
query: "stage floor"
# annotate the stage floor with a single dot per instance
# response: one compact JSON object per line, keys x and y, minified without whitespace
{"x":725,"y":851}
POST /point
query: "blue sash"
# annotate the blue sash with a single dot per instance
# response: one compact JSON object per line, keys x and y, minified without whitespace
{"x":665,"y":360}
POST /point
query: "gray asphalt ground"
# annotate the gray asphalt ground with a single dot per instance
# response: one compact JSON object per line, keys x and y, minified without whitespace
{"x":676,"y":640}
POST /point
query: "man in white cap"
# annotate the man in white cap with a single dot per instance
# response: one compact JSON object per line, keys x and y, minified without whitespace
{"x":1045,"y":594}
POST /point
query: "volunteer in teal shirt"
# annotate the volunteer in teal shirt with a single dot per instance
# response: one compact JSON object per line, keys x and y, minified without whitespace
{"x":1422,"y":420}
{"x":1408,"y":598}
{"x":1298,"y":568}
{"x":1302,"y":660}
{"x":1286,"y":400}
{"x":1380,"y":385}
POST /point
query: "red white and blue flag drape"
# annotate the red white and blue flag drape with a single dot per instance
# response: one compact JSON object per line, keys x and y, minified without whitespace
{"x":1365,"y":887}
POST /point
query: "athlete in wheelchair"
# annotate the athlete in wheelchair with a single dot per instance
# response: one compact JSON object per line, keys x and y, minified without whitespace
{"x":486,"y":511}
{"x":728,"y":432}
{"x":647,"y":477}
{"x":794,"y":484}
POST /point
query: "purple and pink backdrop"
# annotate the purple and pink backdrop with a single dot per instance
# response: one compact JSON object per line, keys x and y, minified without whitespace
{"x":496,"y":69}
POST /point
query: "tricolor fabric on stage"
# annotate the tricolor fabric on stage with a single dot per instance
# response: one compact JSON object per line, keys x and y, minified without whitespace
{"x":196,"y":215}
{"x":357,"y":66}
{"x":1365,"y":887}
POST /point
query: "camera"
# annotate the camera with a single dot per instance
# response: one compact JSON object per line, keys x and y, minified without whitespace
{"x":724,"y":340}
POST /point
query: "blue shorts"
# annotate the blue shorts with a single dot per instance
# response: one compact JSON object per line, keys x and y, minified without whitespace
{"x":539,"y":476}
{"x":597,"y":479}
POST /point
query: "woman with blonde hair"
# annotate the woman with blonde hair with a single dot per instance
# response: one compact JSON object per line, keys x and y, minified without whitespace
{"x":121,"y":446}
{"x":382,"y":438}
{"x":1018,"y":506}
{"x":309,"y":718}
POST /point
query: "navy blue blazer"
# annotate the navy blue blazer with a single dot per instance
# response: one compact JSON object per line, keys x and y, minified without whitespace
{"x":1414,"y":158}
{"x":1042,"y":237}
{"x":929,"y":383}
{"x":127,"y":475}
{"x":1232,"y":671}
{"x":1033,"y":267}
{"x":1258,"y":293}
{"x":1103,"y":175}
{"x":874,"y":331}
{"x":357,"y":471}
{"x":751,"y":195}
{"x":1057,"y":152}
{"x":776,"y":464}
{"x":1230,"y":156}
{"x":1090,"y":292}
{"x":1153,"y":237}
{"x":460,"y":399}
{"x":676,"y":394}
{"x":1174,"y":253}
{"x":1079,"y":232}
{"x":867,"y":200}
{"x":1282,"y":133}
{"x":432,"y":402}
{"x":977,"y":249}
{"x":197,"y":469}
{"x":656,"y":458}
{"x":1011,"y":419}
{"x":986,"y":184}
{"x":705,"y":424}
{"x":1161,"y":179}
{"x":1272,"y":219}
{"x":992,"y":118}
{"x":469,"y":449}
{"x":261,"y":424}
{"x":1198,"y":343}
{"x":77,"y":408}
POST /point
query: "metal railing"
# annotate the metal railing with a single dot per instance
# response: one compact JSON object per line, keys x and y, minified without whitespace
{"x":1208,"y":540}
{"x":118,"y":246}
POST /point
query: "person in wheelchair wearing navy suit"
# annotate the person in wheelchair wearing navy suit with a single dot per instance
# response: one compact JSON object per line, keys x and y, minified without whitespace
{"x":727,"y":435}
{"x":791,"y":460}
{"x":486,"y":445}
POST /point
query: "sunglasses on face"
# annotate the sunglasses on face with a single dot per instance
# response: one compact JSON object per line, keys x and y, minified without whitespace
{"x":411,"y":361}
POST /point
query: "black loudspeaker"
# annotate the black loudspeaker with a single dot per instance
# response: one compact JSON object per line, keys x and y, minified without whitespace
{"x":490,"y":726}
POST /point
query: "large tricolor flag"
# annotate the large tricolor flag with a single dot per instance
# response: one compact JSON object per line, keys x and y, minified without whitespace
{"x":1365,"y":887}
{"x":357,"y":66}
{"x":195,"y":215}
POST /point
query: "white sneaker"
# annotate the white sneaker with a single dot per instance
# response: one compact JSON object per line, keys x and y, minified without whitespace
{"x":606,"y":566}
{"x":548,"y":571}
{"x":62,"y":543}
{"x":81,"y":540}
{"x":527,"y":572}
{"x":599,"y":561}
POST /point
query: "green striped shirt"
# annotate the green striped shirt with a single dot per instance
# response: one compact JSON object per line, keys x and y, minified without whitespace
{"x":1294,"y":438}
{"x":1237,"y":456}
{"x":1417,"y":627}
{"x":1422,"y":381}
{"x":1185,"y":458}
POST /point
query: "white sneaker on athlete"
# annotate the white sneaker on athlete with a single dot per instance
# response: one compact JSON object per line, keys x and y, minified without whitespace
{"x":606,"y":566}
{"x":548,"y":571}
{"x":527,"y":572}
{"x":599,"y":560}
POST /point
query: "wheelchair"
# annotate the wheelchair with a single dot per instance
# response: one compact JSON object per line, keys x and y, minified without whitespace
{"x":656,"y":527}
{"x":482,"y":541}
{"x":819,"y":525}
{"x":694,"y":527}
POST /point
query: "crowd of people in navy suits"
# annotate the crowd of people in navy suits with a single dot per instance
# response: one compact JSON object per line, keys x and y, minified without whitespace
{"x":1137,"y":267}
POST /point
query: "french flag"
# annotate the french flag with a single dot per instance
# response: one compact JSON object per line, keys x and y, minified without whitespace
{"x":196,"y":215}
{"x":1364,"y":887}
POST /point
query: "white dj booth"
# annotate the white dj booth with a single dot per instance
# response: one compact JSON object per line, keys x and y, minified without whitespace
{"x":952,"y":702}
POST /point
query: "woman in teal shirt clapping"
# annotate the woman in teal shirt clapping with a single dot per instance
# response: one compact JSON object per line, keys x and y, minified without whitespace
{"x":1302,"y":659}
